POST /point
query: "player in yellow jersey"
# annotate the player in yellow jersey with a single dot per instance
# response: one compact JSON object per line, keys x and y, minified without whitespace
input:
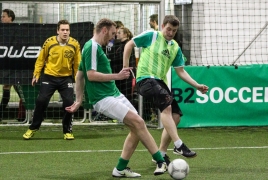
{"x":59,"y":57}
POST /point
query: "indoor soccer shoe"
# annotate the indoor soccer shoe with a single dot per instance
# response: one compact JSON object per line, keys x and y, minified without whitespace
{"x":161,"y":168}
{"x":166,"y":158}
{"x":184,"y":151}
{"x":125,"y":173}
{"x":29,"y":133}
{"x":68,"y":136}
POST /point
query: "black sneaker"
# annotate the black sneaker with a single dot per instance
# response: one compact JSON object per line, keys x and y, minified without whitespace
{"x":167,"y":160}
{"x":184,"y":151}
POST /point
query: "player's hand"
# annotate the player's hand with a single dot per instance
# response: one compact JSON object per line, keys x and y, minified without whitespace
{"x":34,"y":81}
{"x":202,"y":88}
{"x":124,"y":73}
{"x":73,"y":108}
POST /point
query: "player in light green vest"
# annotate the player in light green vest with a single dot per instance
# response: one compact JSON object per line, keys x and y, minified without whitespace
{"x":159,"y":53}
{"x":95,"y":72}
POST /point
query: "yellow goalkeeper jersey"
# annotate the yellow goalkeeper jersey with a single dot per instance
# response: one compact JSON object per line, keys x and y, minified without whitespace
{"x":58,"y":59}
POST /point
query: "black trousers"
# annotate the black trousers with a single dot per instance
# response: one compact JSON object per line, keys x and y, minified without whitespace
{"x":49,"y":84}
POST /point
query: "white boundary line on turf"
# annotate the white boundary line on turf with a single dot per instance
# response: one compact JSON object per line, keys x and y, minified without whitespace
{"x":95,"y":151}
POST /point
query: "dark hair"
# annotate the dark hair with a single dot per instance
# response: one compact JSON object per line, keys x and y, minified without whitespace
{"x":127,"y":32}
{"x":104,"y":23}
{"x":171,"y":19}
{"x":62,"y":22}
{"x":10,"y":13}
{"x":119,"y":24}
{"x":154,"y":17}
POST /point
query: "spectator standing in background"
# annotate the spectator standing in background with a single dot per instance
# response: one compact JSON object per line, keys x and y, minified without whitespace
{"x":154,"y":21}
{"x":125,"y":86}
{"x":119,"y":24}
{"x":8,"y":16}
{"x":114,"y":42}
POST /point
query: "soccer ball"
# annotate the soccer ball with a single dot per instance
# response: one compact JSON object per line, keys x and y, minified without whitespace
{"x":178,"y":169}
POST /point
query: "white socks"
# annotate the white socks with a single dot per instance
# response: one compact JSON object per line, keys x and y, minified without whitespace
{"x":178,"y":143}
{"x":163,"y":153}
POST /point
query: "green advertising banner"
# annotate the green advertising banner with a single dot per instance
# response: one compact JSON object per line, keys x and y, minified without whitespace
{"x":237,"y":96}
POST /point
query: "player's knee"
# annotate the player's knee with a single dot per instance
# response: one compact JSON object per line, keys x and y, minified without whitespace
{"x":139,"y":123}
{"x":67,"y":102}
{"x":134,"y":121}
{"x":41,"y":100}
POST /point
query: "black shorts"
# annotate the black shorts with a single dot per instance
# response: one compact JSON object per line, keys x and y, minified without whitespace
{"x":158,"y":92}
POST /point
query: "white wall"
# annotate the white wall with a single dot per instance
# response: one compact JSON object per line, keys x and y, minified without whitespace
{"x":222,"y":30}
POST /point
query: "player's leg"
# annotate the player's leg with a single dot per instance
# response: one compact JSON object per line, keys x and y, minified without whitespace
{"x":45,"y":93}
{"x":66,"y":91}
{"x":21,"y":110}
{"x":121,"y":169}
{"x":158,"y":90}
{"x":5,"y":99}
{"x":120,"y":108}
{"x":152,"y":89}
{"x":166,"y":140}
{"x":180,"y":148}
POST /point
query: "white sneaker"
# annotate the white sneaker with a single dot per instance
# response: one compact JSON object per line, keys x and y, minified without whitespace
{"x":166,"y":158}
{"x":161,"y":168}
{"x":125,"y":173}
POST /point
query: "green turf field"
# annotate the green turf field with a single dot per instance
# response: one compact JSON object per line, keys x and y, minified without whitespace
{"x":223,"y":153}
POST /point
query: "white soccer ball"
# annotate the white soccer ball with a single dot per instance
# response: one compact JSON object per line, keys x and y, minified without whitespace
{"x":178,"y":169}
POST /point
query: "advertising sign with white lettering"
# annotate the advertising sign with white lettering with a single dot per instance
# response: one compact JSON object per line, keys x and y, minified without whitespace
{"x":237,"y":96}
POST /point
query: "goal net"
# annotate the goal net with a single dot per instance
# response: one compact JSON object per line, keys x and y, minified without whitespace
{"x":34,"y":23}
{"x":211,"y":32}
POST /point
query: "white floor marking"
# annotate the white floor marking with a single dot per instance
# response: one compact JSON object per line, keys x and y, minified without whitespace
{"x":141,"y":150}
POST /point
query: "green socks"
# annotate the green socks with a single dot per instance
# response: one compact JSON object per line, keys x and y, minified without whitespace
{"x":122,"y":164}
{"x":158,"y":157}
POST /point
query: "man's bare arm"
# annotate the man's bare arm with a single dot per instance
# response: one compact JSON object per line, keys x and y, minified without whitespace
{"x":127,"y":52}
{"x":93,"y":75}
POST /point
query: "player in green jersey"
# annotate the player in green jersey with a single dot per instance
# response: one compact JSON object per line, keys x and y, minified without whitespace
{"x":96,"y":75}
{"x":159,"y":53}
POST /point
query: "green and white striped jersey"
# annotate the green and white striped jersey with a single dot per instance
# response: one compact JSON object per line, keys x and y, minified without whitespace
{"x":157,"y":56}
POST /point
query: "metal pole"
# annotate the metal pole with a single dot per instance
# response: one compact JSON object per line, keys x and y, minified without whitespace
{"x":161,"y":18}
{"x":140,"y":105}
{"x":250,"y":43}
